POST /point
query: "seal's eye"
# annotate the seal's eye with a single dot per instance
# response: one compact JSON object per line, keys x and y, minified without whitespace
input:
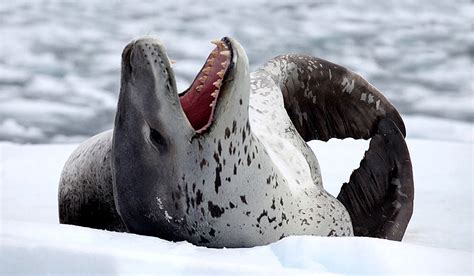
{"x":156,"y":137}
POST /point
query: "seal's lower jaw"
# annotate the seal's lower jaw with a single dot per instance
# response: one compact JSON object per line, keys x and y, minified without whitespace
{"x":200,"y":100}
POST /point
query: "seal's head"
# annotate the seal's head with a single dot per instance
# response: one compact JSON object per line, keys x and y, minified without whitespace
{"x":154,"y":125}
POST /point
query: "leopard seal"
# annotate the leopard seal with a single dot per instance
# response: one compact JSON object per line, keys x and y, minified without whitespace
{"x":226,"y":164}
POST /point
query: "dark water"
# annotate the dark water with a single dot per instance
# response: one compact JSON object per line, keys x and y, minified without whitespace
{"x":60,"y":60}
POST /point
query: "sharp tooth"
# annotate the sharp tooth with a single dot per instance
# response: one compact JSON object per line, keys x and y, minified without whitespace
{"x":217,"y":83}
{"x":224,"y":64}
{"x":216,"y":42}
{"x":214,"y":94}
{"x":203,"y":78}
{"x":211,"y":61}
{"x":221,"y":73}
{"x":225,"y":53}
{"x":206,"y":70}
{"x":199,"y":88}
{"x":212,"y":104}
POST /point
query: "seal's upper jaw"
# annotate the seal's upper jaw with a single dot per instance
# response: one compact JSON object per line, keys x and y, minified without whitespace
{"x":145,"y":56}
{"x":200,"y":99}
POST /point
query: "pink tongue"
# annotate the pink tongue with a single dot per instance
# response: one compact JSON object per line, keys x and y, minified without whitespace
{"x":196,"y":102}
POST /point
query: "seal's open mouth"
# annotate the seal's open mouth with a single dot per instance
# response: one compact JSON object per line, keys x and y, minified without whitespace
{"x":199,"y":101}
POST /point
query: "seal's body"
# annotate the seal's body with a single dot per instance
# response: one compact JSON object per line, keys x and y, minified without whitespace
{"x":85,"y":191}
{"x":225,"y":164}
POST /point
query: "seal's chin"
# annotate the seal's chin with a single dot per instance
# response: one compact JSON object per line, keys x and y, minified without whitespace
{"x":200,"y":99}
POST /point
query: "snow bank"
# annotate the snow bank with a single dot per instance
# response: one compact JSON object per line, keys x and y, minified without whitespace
{"x":39,"y":247}
{"x":438,"y":240}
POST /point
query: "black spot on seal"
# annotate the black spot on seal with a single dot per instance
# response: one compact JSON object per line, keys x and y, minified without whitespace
{"x":263,"y":214}
{"x":198,"y":197}
{"x":215,"y":210}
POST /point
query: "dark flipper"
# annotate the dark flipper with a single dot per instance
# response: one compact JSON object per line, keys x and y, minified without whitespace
{"x":379,"y":195}
{"x":325,"y":101}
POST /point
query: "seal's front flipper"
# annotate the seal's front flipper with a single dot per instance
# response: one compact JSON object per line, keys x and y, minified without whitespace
{"x":325,"y":100}
{"x":379,"y":194}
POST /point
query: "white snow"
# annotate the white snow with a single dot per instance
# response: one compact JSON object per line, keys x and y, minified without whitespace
{"x":439,"y":239}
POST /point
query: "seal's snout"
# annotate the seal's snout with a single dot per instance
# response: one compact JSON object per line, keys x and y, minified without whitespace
{"x":147,"y":78}
{"x":146,"y":68}
{"x":144,"y":57}
{"x":148,"y":53}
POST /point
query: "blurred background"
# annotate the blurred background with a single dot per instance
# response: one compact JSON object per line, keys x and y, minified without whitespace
{"x":60,"y":60}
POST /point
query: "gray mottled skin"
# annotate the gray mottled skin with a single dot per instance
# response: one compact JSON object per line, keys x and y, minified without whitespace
{"x":249,"y":179}
{"x":85,"y":190}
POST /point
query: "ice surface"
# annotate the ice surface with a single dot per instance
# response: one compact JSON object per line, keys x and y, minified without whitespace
{"x":65,"y":55}
{"x":61,"y":249}
{"x":439,"y":239}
